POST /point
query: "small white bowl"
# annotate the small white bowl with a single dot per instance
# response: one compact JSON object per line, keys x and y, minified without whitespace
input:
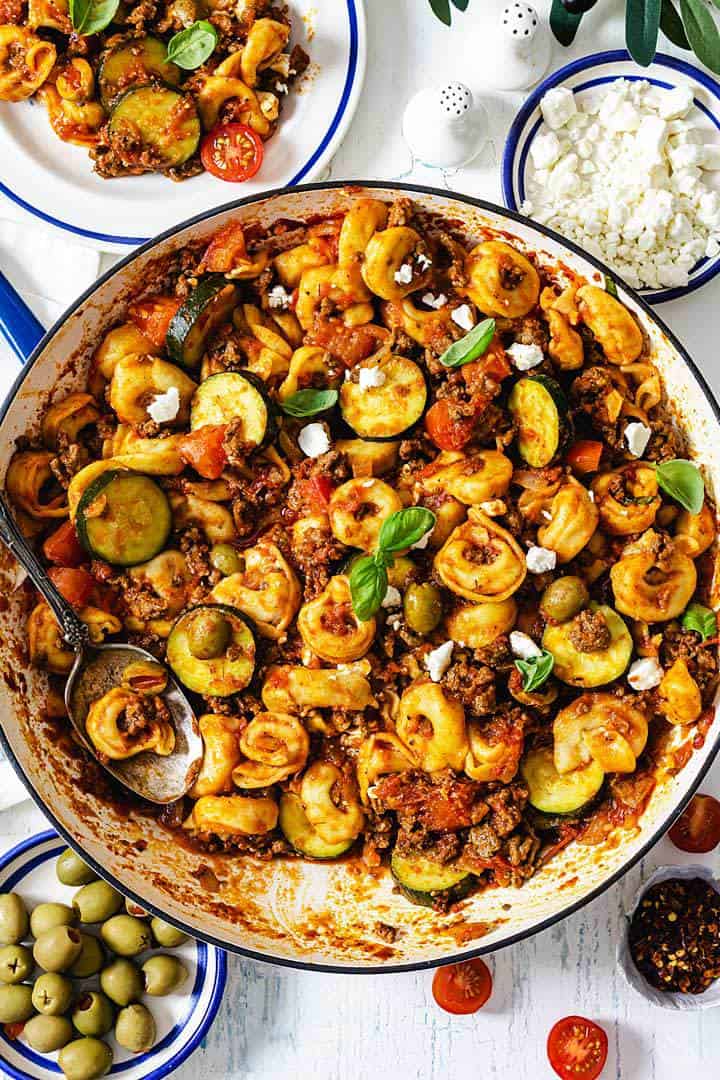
{"x":710,"y":998}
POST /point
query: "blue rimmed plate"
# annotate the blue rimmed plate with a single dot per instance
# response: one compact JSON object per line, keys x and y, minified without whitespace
{"x":581,"y":76}
{"x":182,"y":1019}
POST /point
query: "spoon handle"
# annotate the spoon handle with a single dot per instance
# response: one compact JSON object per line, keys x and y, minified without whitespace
{"x":74,"y":630}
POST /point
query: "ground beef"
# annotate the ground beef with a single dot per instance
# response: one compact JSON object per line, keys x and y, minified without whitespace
{"x":472,"y":685}
{"x":142,"y":713}
{"x":506,"y":808}
{"x":589,"y":632}
{"x":589,"y":394}
{"x":484,"y":841}
{"x":438,"y":801}
{"x":70,"y":459}
{"x":11,"y":11}
{"x":401,"y":213}
{"x":315,"y":553}
{"x":237,"y":449}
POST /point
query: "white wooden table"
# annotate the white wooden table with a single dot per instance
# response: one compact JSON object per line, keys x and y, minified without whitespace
{"x":279,"y":1023}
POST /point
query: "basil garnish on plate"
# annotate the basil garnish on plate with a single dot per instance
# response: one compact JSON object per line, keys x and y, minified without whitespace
{"x":309,"y":402}
{"x":700,"y":619}
{"x":193,"y":46}
{"x":472,"y":346}
{"x":368,"y":576}
{"x":536,"y":670}
{"x":683,"y":482}
{"x":91,"y":16}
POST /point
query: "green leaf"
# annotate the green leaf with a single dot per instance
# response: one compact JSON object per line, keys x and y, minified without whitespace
{"x":642,"y":24}
{"x":309,"y":402}
{"x":683,"y":482}
{"x":700,"y":619}
{"x":563,"y":24}
{"x":404,"y":528}
{"x":702,"y":33}
{"x":192,"y":46}
{"x":90,"y":16}
{"x":469,"y":348}
{"x":442,"y":9}
{"x":368,"y":585}
{"x":610,"y":286}
{"x":671,"y":24}
{"x":536,"y":670}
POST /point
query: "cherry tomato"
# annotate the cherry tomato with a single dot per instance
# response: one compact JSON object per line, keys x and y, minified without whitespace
{"x":63,"y":547}
{"x":462,"y":988}
{"x":584,"y":456}
{"x":153,"y":316}
{"x":447,"y":431}
{"x":577,"y":1048}
{"x":75,"y":585}
{"x":203,"y":450}
{"x":232,"y":152}
{"x":698,"y":827}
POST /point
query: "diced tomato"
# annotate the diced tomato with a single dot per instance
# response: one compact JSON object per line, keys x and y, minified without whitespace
{"x":318,"y":490}
{"x":698,"y":827}
{"x":446,"y":430}
{"x":350,"y":344}
{"x":232,"y":152}
{"x":577,"y":1048}
{"x":63,"y":547}
{"x":75,"y":585}
{"x":584,"y":456}
{"x":225,"y":250}
{"x":493,"y":364}
{"x":153,"y":315}
{"x":203,"y":450}
{"x":462,"y":988}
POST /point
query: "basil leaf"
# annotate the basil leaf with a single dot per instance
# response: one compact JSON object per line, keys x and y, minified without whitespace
{"x":536,"y":670}
{"x":91,"y":16}
{"x":671,"y":25}
{"x":702,"y":33}
{"x":642,"y":24}
{"x":610,"y":286}
{"x":191,"y":47}
{"x":309,"y":402}
{"x":442,"y":9}
{"x":563,"y":23}
{"x":683,"y":482}
{"x":469,"y":348}
{"x":368,"y":585}
{"x":700,"y":619}
{"x":404,"y":528}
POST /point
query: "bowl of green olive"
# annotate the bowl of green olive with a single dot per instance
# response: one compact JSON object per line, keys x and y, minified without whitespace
{"x":90,"y":984}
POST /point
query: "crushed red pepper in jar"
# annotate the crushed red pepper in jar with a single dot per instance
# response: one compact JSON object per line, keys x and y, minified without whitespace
{"x":675,"y":935}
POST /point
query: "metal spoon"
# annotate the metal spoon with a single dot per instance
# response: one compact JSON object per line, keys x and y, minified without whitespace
{"x":97,"y":669}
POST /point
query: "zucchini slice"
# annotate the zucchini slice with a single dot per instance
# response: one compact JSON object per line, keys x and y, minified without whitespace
{"x":229,"y":638}
{"x":538,"y":407}
{"x":164,"y":120}
{"x":423,"y":882}
{"x":590,"y":669}
{"x":298,"y":831}
{"x":207,"y":307}
{"x":134,"y":63}
{"x":380,"y":413}
{"x":235,"y":395}
{"x":565,"y":795}
{"x":123,"y":517}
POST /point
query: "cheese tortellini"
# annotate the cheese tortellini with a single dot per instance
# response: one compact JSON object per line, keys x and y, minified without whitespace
{"x":273,"y":746}
{"x":114,"y":737}
{"x":472,"y":480}
{"x":653,"y":580}
{"x":431,"y":723}
{"x":329,"y":626}
{"x":358,"y":509}
{"x":266,"y":589}
{"x":481,"y":561}
{"x":290,"y":688}
{"x":573,"y":520}
{"x":608,"y":729}
{"x":331,"y":803}
{"x":26,"y":61}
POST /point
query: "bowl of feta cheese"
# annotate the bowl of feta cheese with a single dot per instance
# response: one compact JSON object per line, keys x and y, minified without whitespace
{"x":625,"y":162}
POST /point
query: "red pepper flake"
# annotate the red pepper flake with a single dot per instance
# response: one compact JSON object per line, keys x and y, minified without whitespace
{"x":675,"y":935}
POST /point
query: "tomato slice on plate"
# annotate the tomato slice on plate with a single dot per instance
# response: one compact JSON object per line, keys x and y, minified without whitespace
{"x":232,"y":152}
{"x":698,"y":827}
{"x":577,"y":1048}
{"x":462,"y":988}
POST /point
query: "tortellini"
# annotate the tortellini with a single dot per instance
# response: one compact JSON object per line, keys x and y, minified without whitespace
{"x":307,"y":364}
{"x":380,"y":754}
{"x":331,"y":629}
{"x":653,"y":580}
{"x":472,"y":480}
{"x":124,"y":340}
{"x":601,"y":727}
{"x":331,"y":804}
{"x":273,"y":747}
{"x":627,"y":499}
{"x":679,"y":695}
{"x":116,"y":740}
{"x":29,"y":483}
{"x":573,"y":520}
{"x":67,"y":418}
{"x":25,"y":62}
{"x":432,"y":726}
{"x":386,"y":254}
{"x":267,"y":38}
{"x":694,"y":533}
{"x":292,"y":264}
{"x":612,"y":324}
{"x":168,"y":577}
{"x":266,"y":589}
{"x":364,"y":218}
{"x":221,"y":753}
{"x":290,"y":688}
{"x":566,"y":345}
{"x":502,"y":280}
{"x":137,"y":380}
{"x":157,"y":457}
{"x":358,"y":509}
{"x":491,"y":758}
{"x":369,"y":458}
{"x":215,"y":520}
{"x":232,"y":815}
{"x":224,"y":85}
{"x":481,"y":561}
{"x":76,"y":122}
{"x":45,"y":644}
{"x":478,"y":625}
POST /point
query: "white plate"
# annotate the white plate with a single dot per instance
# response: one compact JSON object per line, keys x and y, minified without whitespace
{"x":54,"y":181}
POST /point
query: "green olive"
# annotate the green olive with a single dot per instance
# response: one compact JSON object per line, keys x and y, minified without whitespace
{"x":52,"y":994}
{"x":48,"y":1033}
{"x":97,"y":902}
{"x":400,"y":573}
{"x":15,"y":1004}
{"x":126,"y":935}
{"x":58,"y":949}
{"x":423,"y":607}
{"x":14,"y":920}
{"x":71,"y":870}
{"x":122,"y":982}
{"x":93,"y":1014}
{"x":564,"y":598}
{"x":163,"y":974}
{"x":225,"y":558}
{"x":208,"y":634}
{"x":16,"y":963}
{"x":47,"y":916}
{"x":166,"y":935}
{"x":135,"y":1028}
{"x":85,"y":1059}
{"x":91,"y":958}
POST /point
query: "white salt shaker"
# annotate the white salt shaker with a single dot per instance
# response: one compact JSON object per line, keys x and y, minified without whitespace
{"x":444,"y":126}
{"x":517,"y":48}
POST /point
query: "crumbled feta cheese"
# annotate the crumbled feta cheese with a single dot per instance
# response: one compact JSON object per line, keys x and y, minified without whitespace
{"x":370,"y":377}
{"x":279,"y":297}
{"x":711,"y":156}
{"x":525,"y":357}
{"x":392,"y":597}
{"x":164,"y":407}
{"x":545,"y":150}
{"x":396,"y":624}
{"x":423,"y":261}
{"x":463,"y":317}
{"x":637,"y":436}
{"x":675,"y":103}
{"x":435,"y":302}
{"x":281,"y":87}
{"x":523,"y":646}
{"x":313,"y":440}
{"x":645,"y":674}
{"x":404,"y":275}
{"x":539,"y":560}
{"x":557,"y":106}
{"x":438,"y":661}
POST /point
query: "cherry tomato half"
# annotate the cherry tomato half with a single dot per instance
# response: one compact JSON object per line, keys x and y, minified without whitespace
{"x":232,"y":152}
{"x":698,"y":827}
{"x":462,"y":988}
{"x":577,"y":1048}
